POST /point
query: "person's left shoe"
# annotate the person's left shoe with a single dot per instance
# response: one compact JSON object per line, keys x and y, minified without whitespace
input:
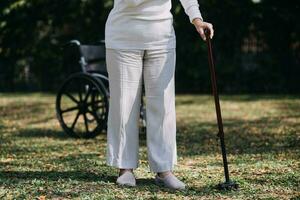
{"x":170,"y":181}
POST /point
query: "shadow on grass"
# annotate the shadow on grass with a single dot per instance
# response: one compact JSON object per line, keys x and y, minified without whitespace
{"x":11,"y":178}
{"x":55,"y":175}
{"x":40,"y":132}
{"x":49,"y":133}
{"x":276,"y":179}
{"x":241,"y":137}
{"x":275,"y":133}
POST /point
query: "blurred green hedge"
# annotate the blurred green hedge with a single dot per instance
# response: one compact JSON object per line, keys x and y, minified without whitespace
{"x":256,"y":43}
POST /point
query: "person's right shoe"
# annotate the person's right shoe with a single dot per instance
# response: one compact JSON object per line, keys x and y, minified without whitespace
{"x":170,"y":181}
{"x":126,"y":179}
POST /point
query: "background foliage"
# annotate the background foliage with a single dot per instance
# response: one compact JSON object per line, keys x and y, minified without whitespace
{"x":256,"y":45}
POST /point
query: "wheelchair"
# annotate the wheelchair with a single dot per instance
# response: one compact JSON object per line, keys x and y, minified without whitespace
{"x":82,"y":101}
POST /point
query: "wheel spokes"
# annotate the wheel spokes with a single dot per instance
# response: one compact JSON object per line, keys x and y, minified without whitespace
{"x":83,"y":111}
{"x":86,"y":122}
{"x":94,"y":120}
{"x":71,"y":97}
{"x":75,"y":120}
{"x":79,"y":91}
{"x":99,"y":106}
{"x":87,"y":94}
{"x":70,"y":109}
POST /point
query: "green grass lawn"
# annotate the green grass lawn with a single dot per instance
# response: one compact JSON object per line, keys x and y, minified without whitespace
{"x":37,"y":159}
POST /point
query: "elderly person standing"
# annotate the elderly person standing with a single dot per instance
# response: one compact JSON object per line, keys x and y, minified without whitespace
{"x":141,"y":44}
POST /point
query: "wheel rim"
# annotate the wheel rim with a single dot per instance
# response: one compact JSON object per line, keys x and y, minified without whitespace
{"x":78,"y":107}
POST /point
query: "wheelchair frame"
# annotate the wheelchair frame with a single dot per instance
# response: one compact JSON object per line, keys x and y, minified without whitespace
{"x":91,"y":108}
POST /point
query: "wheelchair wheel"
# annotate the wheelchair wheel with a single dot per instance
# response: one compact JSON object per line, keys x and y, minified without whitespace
{"x":82,"y":106}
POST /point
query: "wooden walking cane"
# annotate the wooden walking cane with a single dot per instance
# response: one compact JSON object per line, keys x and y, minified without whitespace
{"x":228,"y":184}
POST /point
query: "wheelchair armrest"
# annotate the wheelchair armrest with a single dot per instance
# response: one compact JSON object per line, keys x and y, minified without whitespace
{"x":71,"y":42}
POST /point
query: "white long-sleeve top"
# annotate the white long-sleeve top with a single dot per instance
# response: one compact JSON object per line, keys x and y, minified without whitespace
{"x":144,"y":24}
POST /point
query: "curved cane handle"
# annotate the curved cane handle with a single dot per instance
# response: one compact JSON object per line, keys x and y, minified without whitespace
{"x":207,"y":33}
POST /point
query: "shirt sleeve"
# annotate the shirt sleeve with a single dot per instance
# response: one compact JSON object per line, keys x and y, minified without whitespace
{"x":191,"y":8}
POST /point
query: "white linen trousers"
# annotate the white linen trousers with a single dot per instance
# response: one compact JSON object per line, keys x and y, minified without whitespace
{"x":126,"y":68}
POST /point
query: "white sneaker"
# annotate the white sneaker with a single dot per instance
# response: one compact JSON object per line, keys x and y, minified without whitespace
{"x":127,"y":179}
{"x":170,"y":181}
